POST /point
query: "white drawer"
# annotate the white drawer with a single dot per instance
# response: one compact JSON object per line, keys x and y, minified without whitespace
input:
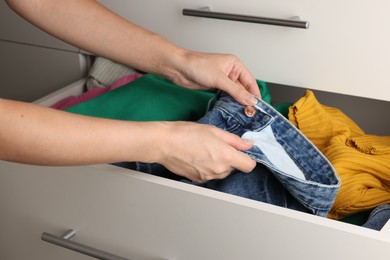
{"x":140,"y":216}
{"x":29,"y":72}
{"x":345,"y":50}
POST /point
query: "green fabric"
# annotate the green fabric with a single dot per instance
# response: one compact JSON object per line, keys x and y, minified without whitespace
{"x":357,"y":219}
{"x":264,"y":90}
{"x":283,"y":108}
{"x":152,"y":98}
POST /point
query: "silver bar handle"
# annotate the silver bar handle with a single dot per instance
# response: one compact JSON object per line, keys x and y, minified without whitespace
{"x":64,"y":241}
{"x":207,"y":13}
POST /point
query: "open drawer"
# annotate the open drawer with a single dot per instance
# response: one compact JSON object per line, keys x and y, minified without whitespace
{"x":140,"y":216}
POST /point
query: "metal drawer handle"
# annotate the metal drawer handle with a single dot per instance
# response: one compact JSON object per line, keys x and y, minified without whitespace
{"x":207,"y":13}
{"x":64,"y":241}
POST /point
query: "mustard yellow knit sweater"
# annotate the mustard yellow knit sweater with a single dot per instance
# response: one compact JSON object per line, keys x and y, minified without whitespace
{"x":361,"y":160}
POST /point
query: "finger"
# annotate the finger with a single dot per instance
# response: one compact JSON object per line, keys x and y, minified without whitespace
{"x":249,"y":83}
{"x":218,"y":175}
{"x":235,"y":141}
{"x":238,"y":92}
{"x":240,"y":160}
{"x":244,"y":78}
{"x":243,"y":162}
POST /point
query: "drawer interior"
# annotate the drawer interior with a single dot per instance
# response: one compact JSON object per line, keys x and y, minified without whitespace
{"x":366,"y":112}
{"x":280,"y":94}
{"x":175,"y":217}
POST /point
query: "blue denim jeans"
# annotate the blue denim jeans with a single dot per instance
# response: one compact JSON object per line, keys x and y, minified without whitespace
{"x":378,"y":217}
{"x":291,"y":172}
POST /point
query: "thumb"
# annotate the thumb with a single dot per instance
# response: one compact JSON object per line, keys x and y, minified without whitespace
{"x":243,"y":144}
{"x":238,"y":92}
{"x":237,"y":142}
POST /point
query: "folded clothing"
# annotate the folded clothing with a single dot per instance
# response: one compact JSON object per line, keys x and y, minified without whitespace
{"x":290,"y":172}
{"x":153,"y":98}
{"x":378,"y":218}
{"x":361,"y":160}
{"x":105,"y":72}
{"x":74,"y":100}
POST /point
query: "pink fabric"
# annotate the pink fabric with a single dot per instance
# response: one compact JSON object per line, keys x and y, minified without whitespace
{"x":74,"y":100}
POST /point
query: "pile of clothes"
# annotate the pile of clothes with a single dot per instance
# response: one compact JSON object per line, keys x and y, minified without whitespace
{"x":311,"y":157}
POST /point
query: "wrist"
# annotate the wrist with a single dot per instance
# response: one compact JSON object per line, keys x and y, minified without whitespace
{"x":150,"y":145}
{"x":176,"y":64}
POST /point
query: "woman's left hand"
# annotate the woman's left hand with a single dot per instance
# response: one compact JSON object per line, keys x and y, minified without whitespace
{"x":217,"y":71}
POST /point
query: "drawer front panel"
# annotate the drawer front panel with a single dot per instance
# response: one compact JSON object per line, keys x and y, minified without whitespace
{"x":345,"y":50}
{"x":140,"y":216}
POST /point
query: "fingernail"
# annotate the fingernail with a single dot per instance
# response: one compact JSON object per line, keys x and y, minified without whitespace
{"x":248,"y":141}
{"x":251,"y":100}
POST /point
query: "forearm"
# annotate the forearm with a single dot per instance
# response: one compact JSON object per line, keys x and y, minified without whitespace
{"x":36,"y":135}
{"x":92,"y":27}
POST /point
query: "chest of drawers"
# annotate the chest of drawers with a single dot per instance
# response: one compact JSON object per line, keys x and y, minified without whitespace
{"x":138,"y":216}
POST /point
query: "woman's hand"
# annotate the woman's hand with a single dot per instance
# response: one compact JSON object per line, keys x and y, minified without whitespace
{"x":216,"y":71}
{"x":201,"y":152}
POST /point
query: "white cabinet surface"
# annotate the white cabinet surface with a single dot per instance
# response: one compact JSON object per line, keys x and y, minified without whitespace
{"x":13,"y":28}
{"x":30,"y":72}
{"x":32,"y":62}
{"x":139,"y":216}
{"x":345,"y":50}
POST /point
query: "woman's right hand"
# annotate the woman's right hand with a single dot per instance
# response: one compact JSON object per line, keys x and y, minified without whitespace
{"x":201,"y":152}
